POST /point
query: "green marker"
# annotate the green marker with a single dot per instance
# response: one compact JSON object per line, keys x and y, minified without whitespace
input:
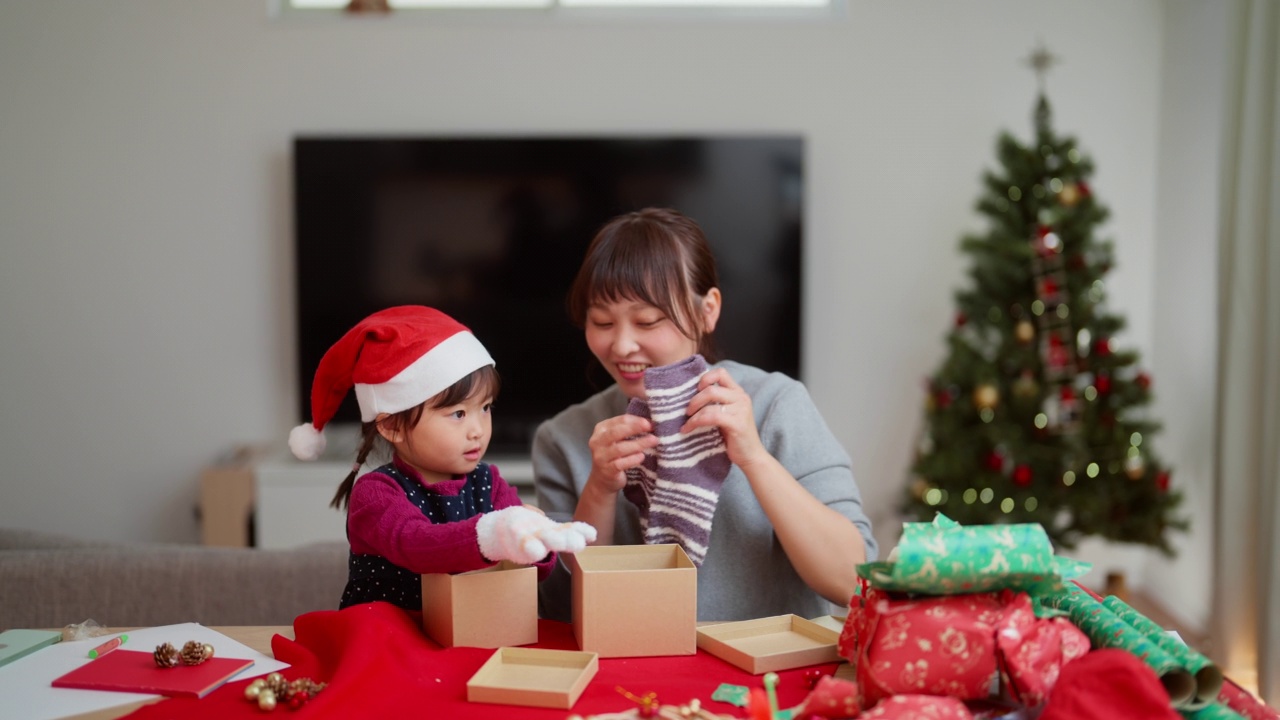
{"x":107,"y":647}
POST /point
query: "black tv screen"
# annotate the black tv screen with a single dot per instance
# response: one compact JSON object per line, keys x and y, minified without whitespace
{"x":491,"y":231}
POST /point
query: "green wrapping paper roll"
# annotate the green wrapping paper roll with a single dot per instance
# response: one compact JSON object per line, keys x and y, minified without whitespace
{"x":1207,"y":675}
{"x":945,"y":558}
{"x":1214,"y":711}
{"x":1106,"y":629}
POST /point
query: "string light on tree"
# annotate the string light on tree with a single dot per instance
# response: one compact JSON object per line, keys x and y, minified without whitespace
{"x":1049,"y":432}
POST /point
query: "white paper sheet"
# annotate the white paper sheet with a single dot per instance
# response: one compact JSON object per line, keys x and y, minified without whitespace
{"x":27,"y":693}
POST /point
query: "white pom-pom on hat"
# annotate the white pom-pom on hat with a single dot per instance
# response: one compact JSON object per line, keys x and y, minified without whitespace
{"x":306,"y":442}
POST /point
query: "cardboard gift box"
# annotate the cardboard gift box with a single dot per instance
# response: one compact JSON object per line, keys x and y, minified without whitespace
{"x":489,"y":608}
{"x":635,"y":600}
{"x":533,"y":677}
{"x":770,"y":644}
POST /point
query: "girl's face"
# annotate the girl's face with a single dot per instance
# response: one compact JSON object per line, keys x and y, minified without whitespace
{"x":628,"y":336}
{"x":447,"y":441}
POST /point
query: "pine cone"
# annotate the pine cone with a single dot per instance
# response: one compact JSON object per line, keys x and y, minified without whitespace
{"x":194,"y":653}
{"x":166,"y":656}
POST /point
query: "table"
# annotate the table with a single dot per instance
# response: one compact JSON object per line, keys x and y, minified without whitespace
{"x":257,"y":637}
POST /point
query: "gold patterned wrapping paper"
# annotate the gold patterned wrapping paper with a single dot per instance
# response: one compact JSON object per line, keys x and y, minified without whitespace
{"x":1106,"y":629}
{"x":1207,"y":675}
{"x":1213,"y":711}
{"x":945,"y":558}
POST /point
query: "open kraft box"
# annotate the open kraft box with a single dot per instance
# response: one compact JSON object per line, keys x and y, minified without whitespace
{"x":533,"y":677}
{"x":635,"y":600}
{"x":489,"y":608}
{"x":770,"y":644}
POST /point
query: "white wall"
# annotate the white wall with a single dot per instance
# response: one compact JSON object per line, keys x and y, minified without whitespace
{"x":145,"y":298}
{"x":1193,"y":100}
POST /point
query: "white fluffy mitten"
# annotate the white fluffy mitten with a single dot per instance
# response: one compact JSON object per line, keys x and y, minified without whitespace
{"x":525,"y":536}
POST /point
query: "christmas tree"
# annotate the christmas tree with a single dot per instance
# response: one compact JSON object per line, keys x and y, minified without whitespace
{"x":1035,"y":416}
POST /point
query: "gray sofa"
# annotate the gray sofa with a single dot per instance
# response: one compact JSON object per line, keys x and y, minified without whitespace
{"x":51,"y":581}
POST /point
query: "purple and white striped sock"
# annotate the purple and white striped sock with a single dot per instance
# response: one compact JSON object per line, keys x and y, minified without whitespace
{"x":691,"y":467}
{"x":642,"y":478}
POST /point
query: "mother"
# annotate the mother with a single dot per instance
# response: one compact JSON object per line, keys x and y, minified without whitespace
{"x":788,"y":528}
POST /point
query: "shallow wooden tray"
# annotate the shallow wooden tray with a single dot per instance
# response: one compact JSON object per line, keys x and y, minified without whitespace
{"x":770,"y":644}
{"x":533,"y":677}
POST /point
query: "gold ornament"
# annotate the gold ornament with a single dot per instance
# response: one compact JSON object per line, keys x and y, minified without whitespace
{"x":1135,"y":468}
{"x":1025,"y":386}
{"x":986,"y":396}
{"x":273,"y":690}
{"x":919,"y":487}
{"x":1024,"y":331}
{"x":166,"y":656}
{"x":1069,"y":195}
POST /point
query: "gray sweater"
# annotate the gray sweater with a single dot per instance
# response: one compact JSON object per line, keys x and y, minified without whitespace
{"x":746,"y":573}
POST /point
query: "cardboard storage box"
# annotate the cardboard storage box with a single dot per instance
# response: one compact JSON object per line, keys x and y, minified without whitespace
{"x":770,"y":644}
{"x":487,"y":608}
{"x":533,"y":677}
{"x":227,"y":499}
{"x":635,"y":600}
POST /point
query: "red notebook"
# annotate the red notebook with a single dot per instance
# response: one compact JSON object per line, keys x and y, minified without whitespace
{"x":136,"y":672}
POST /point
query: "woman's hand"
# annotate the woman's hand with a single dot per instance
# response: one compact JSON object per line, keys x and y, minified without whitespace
{"x":618,"y":444}
{"x":721,"y":402}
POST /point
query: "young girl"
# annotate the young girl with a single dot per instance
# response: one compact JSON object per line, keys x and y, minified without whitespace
{"x":784,"y":529}
{"x":425,"y":386}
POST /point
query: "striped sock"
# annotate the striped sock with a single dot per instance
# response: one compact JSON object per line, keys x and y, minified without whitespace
{"x":641,"y":479}
{"x":690,"y":467}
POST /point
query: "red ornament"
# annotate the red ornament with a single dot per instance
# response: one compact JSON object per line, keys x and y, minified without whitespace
{"x":1162,"y":481}
{"x":1103,"y":384}
{"x":1022,"y":475}
{"x":1102,"y":347}
{"x":1083,"y":187}
{"x":1068,"y":393}
{"x":943,"y":399}
{"x":1055,"y":340}
{"x":961,"y":319}
{"x":1042,"y":230}
{"x":995,"y":461}
{"x":1049,"y":287}
{"x":1143,"y":380}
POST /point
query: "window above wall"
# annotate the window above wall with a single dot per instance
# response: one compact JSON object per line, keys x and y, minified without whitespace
{"x":594,"y":8}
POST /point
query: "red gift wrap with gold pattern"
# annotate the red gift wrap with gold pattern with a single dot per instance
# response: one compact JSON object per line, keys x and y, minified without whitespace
{"x":969,"y":647}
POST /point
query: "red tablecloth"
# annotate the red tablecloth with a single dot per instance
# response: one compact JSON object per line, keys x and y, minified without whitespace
{"x":378,"y":663}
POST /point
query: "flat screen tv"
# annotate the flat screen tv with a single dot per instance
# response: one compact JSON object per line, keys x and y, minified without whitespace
{"x":491,"y":231}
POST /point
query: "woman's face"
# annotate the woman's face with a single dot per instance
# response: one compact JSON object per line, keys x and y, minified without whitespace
{"x":628,"y":336}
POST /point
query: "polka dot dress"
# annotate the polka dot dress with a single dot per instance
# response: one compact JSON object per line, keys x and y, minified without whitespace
{"x":370,"y":577}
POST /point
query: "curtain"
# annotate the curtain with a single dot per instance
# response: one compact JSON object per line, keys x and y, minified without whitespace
{"x":1246,"y":598}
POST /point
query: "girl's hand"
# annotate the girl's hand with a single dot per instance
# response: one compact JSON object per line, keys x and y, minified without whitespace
{"x":618,"y":444}
{"x":723,"y":403}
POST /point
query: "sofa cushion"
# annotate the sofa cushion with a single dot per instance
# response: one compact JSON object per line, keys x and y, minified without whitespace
{"x":47,"y":581}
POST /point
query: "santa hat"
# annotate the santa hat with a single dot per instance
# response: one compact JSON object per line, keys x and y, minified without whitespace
{"x":396,"y":359}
